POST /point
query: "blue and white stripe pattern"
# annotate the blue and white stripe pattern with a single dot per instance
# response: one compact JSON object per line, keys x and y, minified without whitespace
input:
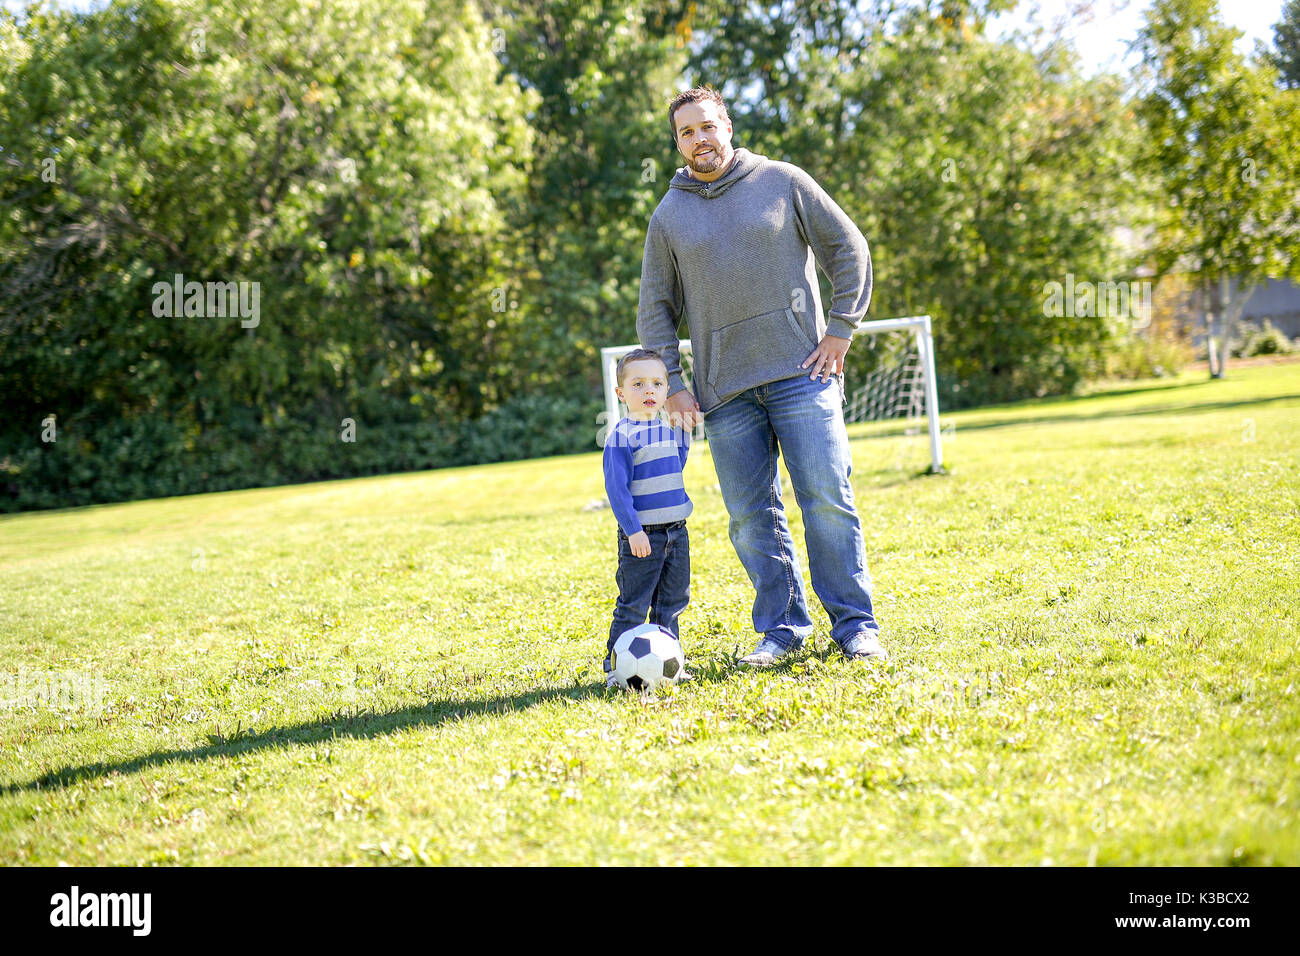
{"x":643,"y":473}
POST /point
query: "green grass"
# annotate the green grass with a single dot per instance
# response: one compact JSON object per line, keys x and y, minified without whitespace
{"x":1093,"y":621}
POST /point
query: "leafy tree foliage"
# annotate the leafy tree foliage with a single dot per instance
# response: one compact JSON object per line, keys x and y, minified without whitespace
{"x":603,"y":71}
{"x":1286,"y":45}
{"x":1222,"y":142}
{"x":352,"y":159}
{"x":978,"y":172}
{"x":443,"y":208}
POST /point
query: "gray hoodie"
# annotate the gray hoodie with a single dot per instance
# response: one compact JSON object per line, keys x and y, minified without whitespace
{"x":737,"y":259}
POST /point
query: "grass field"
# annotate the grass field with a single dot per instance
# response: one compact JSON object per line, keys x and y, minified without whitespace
{"x":1093,"y":621}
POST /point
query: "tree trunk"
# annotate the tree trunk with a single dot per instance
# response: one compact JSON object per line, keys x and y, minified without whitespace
{"x":1211,"y":346}
{"x":1221,"y":302}
{"x":1231,"y":305}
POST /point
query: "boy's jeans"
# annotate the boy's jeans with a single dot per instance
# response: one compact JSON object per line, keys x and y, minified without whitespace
{"x":659,"y":584}
{"x":805,"y":419}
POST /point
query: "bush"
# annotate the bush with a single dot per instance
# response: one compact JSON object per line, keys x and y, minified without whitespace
{"x":89,"y":462}
{"x":1261,"y":340}
{"x":532,"y":426}
{"x":1146,"y":357}
{"x":152,"y":457}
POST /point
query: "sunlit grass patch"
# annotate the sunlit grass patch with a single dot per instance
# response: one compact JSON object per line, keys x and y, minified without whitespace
{"x":1092,"y":617}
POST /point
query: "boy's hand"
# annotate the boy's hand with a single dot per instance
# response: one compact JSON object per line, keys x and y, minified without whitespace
{"x":640,"y":544}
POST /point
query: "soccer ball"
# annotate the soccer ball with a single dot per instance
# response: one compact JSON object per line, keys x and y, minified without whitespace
{"x":646,"y":657}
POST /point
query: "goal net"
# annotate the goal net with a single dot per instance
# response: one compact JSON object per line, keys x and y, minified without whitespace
{"x":899,"y":389}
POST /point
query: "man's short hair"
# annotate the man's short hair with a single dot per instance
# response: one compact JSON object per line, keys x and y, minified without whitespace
{"x":695,"y":95}
{"x":638,"y":355}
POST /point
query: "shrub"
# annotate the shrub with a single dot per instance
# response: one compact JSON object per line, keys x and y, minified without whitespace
{"x":150,"y":456}
{"x":532,"y":426}
{"x":1146,"y":357}
{"x":1261,"y":340}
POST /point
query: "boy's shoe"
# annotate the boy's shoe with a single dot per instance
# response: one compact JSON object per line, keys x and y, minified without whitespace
{"x":864,"y":646}
{"x":611,"y":683}
{"x":685,"y":677}
{"x":766,"y":654}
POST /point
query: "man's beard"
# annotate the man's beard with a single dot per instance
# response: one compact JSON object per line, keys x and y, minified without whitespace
{"x":711,"y":164}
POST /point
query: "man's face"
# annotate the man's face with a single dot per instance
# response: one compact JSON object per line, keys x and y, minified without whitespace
{"x":645,"y":387}
{"x":704,"y":138}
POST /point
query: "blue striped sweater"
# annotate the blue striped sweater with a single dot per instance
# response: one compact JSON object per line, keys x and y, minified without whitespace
{"x":643,"y":473}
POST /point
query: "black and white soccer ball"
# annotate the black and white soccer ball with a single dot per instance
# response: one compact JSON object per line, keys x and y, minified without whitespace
{"x":646,"y":657}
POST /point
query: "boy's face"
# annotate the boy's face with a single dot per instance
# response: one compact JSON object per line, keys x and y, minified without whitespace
{"x":644,"y":389}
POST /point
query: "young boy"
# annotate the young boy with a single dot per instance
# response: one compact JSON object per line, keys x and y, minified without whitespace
{"x":644,"y":458}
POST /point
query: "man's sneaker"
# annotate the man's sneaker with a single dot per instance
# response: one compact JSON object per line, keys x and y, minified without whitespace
{"x":864,"y":645}
{"x":766,"y":654}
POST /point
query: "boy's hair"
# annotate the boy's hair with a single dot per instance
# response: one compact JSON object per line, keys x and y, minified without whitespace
{"x":638,"y":355}
{"x":695,"y":95}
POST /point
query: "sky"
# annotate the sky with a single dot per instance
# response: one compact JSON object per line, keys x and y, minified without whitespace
{"x":1102,"y":29}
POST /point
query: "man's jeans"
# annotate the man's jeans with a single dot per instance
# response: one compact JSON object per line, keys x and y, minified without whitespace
{"x":805,"y":420}
{"x":659,"y":584}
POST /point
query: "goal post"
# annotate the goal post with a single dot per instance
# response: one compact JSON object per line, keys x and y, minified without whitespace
{"x":913,"y":390}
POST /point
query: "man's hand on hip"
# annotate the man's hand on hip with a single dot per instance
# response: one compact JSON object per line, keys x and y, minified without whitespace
{"x":827,"y":359}
{"x":683,"y":410}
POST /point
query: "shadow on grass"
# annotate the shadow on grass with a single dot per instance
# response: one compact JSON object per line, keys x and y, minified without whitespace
{"x":893,"y":477}
{"x":359,"y":726}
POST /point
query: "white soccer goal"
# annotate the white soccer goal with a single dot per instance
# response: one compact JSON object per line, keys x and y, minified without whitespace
{"x":903,"y":388}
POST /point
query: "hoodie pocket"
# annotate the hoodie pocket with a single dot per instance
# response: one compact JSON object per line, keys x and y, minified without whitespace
{"x":762,"y":348}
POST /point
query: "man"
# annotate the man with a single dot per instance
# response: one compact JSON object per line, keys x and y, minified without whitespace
{"x":733,"y":248}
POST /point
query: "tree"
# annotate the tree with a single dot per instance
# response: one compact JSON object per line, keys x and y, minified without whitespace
{"x":978,"y":172}
{"x":1221,"y":141}
{"x":353,"y":159}
{"x":1286,"y":45}
{"x":603,"y":71}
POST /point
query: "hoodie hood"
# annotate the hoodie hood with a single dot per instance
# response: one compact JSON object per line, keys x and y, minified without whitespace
{"x":742,"y":165}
